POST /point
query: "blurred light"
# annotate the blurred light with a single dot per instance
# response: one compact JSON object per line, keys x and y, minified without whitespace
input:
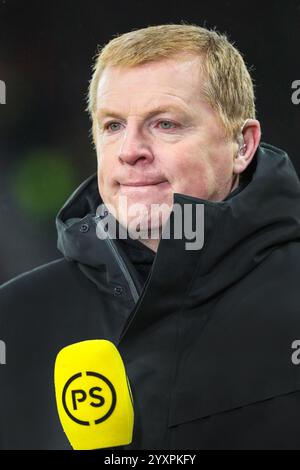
{"x":42,"y":182}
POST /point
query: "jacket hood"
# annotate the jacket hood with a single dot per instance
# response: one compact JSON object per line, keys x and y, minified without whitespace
{"x":239,"y":232}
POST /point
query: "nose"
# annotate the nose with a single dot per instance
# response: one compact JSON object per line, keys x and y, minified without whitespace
{"x":134,"y":147}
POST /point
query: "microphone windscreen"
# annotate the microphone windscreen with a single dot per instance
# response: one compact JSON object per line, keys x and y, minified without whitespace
{"x":93,"y":395}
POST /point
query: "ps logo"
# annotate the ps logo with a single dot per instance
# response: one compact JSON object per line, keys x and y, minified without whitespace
{"x":89,"y":395}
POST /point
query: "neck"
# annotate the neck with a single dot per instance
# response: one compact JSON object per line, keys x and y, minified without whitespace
{"x":150,"y":243}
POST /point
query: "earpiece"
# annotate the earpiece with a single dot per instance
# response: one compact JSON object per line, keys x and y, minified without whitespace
{"x":242,"y":146}
{"x":242,"y":149}
{"x":241,"y":142}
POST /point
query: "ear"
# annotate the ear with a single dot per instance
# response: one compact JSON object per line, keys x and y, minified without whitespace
{"x":251,"y":133}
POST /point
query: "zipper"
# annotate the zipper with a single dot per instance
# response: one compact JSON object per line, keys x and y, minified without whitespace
{"x":137,"y":294}
{"x":133,"y":313}
{"x":124,"y":269}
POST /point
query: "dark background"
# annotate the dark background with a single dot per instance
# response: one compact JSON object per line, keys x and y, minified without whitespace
{"x":46,"y":55}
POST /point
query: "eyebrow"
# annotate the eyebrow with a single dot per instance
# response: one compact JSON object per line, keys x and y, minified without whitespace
{"x":104,"y":112}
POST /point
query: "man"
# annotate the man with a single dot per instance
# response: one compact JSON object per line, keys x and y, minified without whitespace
{"x":206,"y":333}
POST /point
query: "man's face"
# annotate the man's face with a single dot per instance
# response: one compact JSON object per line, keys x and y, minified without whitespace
{"x":146,"y":153}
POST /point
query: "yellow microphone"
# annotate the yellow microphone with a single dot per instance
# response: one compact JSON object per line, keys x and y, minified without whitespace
{"x":93,"y":395}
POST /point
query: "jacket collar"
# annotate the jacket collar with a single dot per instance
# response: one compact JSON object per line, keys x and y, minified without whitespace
{"x":239,"y":232}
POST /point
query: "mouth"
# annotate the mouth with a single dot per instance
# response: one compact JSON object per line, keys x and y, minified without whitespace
{"x":144,"y":188}
{"x":142,"y":184}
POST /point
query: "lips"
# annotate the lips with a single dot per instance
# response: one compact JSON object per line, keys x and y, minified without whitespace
{"x":143,"y":183}
{"x":144,"y":188}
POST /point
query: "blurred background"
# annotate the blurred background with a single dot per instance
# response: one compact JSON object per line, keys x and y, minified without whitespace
{"x":46,"y":57}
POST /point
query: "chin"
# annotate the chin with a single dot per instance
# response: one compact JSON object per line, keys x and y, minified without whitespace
{"x":143,"y":227}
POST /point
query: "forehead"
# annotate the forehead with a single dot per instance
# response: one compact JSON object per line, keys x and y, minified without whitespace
{"x":177,"y":79}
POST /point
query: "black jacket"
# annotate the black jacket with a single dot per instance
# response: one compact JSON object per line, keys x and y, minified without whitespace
{"x":207,"y":341}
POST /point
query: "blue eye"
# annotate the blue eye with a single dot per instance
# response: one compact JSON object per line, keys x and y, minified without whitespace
{"x":111,"y":126}
{"x":168,"y":123}
{"x":107,"y":126}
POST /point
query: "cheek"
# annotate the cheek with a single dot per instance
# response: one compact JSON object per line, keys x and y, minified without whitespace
{"x":104,"y":163}
{"x":190,"y":172}
{"x":199,"y":173}
{"x":108,"y":187}
{"x":103,"y":171}
{"x":222,"y":167}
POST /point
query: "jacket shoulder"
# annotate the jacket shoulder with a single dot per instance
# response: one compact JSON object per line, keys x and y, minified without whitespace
{"x":38,"y":285}
{"x":38,"y":274}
